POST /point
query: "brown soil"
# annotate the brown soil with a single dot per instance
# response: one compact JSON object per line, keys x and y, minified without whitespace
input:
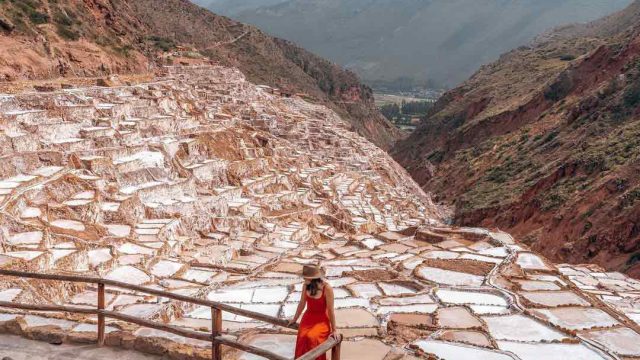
{"x":402,"y":334}
{"x":467,"y":266}
{"x":468,"y":337}
{"x":371,"y":275}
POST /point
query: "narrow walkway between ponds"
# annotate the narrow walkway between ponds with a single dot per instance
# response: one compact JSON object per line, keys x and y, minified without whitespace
{"x":18,"y":348}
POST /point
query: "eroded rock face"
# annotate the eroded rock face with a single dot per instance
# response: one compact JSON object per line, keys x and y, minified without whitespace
{"x":204,"y":184}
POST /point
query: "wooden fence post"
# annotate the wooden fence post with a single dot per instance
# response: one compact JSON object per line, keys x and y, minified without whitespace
{"x":335,"y":351}
{"x":100,"y":315}
{"x":216,"y":330}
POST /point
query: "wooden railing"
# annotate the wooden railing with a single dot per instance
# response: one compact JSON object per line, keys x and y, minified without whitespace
{"x":216,"y":337}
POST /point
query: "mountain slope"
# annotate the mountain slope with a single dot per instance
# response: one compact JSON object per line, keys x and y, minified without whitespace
{"x":545,"y":142}
{"x":233,"y":7}
{"x":52,"y":38}
{"x":441,"y":40}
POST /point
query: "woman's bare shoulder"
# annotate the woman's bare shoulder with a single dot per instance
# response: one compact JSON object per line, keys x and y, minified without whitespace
{"x":328,"y":287}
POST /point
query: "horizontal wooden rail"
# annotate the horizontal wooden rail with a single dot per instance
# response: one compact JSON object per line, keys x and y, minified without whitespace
{"x":48,"y":308}
{"x":330,"y":344}
{"x":204,"y":302}
{"x":215,"y":337}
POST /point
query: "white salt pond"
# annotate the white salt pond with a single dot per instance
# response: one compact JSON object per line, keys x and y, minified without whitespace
{"x":129,"y":274}
{"x":578,"y":318}
{"x":26,"y":238}
{"x":470,"y":297}
{"x":447,"y":277}
{"x":68,"y":224}
{"x":531,"y":261}
{"x":449,"y":351}
{"x":554,"y":298}
{"x":520,"y":328}
{"x":550,"y":351}
{"x":166,"y":268}
{"x":99,"y":256}
{"x":535,"y":285}
{"x":623,"y":341}
{"x":247,"y":296}
{"x":283,"y":345}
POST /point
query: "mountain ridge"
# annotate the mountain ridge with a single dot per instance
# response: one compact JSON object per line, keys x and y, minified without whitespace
{"x":543,"y":143}
{"x":441,"y":41}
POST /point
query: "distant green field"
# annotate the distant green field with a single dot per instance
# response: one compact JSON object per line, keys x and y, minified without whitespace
{"x":384,"y":99}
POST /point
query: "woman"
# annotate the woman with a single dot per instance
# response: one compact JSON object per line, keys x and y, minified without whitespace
{"x":319,"y":321}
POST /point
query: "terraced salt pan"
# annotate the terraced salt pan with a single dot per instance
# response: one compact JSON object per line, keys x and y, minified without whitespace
{"x":407,"y":300}
{"x":145,"y":311}
{"x":482,"y":258}
{"x":465,"y":336}
{"x":118,"y":230}
{"x":9,"y":294}
{"x":133,"y":249}
{"x":449,"y":351}
{"x":439,"y":254}
{"x":535,"y":285}
{"x":198,"y":275}
{"x":33,"y":321}
{"x":457,"y":318}
{"x":408,"y":309}
{"x":166,"y":268}
{"x":578,"y":318}
{"x":351,"y":302}
{"x":470,"y":297}
{"x":26,"y":238}
{"x":146,"y":158}
{"x":531,"y":261}
{"x":489,"y":310}
{"x":68,"y":224}
{"x":283,"y":345}
{"x":550,"y":351}
{"x":90,"y":297}
{"x":30,"y":212}
{"x":520,"y":328}
{"x":369,"y":349}
{"x":554,"y":298}
{"x":365,"y":290}
{"x":623,"y":341}
{"x":355,"y":318}
{"x":447,"y":277}
{"x":372,"y":243}
{"x":267,"y":309}
{"x":57,"y":254}
{"x":99,"y":256}
{"x":91,"y":328}
{"x":260,"y":295}
{"x":25,"y":255}
{"x":129,"y":274}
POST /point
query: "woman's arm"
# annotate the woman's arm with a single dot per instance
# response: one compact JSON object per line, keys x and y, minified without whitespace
{"x":301,"y":306}
{"x":330,"y":311}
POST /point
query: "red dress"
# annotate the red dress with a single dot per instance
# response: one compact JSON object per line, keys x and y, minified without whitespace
{"x":315,"y":326}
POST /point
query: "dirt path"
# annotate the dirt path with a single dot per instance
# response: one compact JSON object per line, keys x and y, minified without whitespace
{"x":18,"y":348}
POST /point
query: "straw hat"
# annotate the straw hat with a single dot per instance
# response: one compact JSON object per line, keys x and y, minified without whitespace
{"x":312,"y":272}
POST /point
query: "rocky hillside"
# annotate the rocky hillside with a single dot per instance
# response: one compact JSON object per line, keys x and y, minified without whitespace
{"x":444,"y":41}
{"x":545,"y":143}
{"x":48,"y":39}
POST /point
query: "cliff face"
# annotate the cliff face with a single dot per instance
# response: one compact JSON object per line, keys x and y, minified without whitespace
{"x":545,"y":143}
{"x":46,"y":39}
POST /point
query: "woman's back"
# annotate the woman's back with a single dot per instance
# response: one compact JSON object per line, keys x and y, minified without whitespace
{"x":316,"y":305}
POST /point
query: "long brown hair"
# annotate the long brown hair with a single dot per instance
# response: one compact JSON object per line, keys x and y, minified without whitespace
{"x":313,"y":286}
